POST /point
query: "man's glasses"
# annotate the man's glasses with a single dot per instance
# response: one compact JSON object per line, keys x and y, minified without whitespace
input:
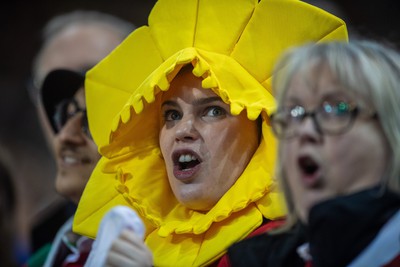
{"x":67,"y":109}
{"x":332,"y":117}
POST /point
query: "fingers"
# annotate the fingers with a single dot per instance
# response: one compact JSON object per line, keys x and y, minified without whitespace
{"x":117,"y":260}
{"x":129,"y":250}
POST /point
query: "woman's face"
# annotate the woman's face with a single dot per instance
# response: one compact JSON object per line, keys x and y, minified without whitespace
{"x":204,"y":146}
{"x":320,"y":166}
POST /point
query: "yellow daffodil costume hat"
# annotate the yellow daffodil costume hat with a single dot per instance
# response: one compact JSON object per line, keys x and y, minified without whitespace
{"x":232,"y":45}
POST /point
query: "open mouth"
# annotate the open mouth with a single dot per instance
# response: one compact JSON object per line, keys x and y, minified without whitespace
{"x":310,"y":170}
{"x":186,"y":163}
{"x":308,"y":165}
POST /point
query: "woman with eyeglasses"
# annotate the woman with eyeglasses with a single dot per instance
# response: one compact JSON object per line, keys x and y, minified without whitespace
{"x":180,"y":114}
{"x":338,"y":121}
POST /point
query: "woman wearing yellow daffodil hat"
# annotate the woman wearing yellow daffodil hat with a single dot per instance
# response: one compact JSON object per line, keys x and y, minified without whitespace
{"x":180,"y":114}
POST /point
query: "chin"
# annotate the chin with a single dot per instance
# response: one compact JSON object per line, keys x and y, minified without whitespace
{"x":70,"y":194}
{"x":196,"y":204}
{"x":69,"y":190}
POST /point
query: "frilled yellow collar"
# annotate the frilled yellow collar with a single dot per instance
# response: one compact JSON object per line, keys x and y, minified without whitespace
{"x":232,"y":46}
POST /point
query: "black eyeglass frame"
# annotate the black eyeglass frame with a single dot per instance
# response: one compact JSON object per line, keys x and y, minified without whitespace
{"x":279,"y":129}
{"x":62,"y":115}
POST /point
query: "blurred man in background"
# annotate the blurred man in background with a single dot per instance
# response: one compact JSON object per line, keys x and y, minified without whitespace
{"x":72,"y":44}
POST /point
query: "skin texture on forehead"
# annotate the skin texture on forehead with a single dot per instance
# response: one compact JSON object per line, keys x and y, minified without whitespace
{"x":314,"y":73}
{"x":78,"y":46}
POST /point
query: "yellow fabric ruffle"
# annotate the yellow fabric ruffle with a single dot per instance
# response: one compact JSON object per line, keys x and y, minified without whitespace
{"x":232,"y":46}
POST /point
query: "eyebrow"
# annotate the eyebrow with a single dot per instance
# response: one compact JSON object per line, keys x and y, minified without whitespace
{"x":196,"y":102}
{"x":335,"y":92}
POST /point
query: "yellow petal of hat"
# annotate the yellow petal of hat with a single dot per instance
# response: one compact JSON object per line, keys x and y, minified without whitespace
{"x":232,"y":46}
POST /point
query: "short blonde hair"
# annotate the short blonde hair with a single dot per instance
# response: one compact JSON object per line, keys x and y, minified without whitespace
{"x":367,"y":68}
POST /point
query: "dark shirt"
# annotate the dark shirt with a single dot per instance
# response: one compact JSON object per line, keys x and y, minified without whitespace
{"x":339,"y":230}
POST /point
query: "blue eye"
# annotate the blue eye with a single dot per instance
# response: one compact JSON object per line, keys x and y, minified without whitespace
{"x":215,"y":111}
{"x":337,"y":109}
{"x":172,"y":115}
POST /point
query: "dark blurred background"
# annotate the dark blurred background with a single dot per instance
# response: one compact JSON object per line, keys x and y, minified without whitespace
{"x":22,"y":146}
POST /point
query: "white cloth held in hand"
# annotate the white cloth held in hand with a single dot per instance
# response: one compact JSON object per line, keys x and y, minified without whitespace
{"x":114,"y":222}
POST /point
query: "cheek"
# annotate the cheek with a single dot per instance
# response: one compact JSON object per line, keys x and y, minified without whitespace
{"x":167,"y":139}
{"x":165,"y":147}
{"x":339,"y":154}
{"x":288,"y":156}
{"x":358,"y":159}
{"x":348,"y":153}
{"x":216,"y":141}
{"x":230,"y":146}
{"x":94,"y":150}
{"x":231,"y":150}
{"x":163,"y":141}
{"x":288,"y":160}
{"x":238,"y":135}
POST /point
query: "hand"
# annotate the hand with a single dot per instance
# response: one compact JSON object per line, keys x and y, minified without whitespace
{"x":128,"y":250}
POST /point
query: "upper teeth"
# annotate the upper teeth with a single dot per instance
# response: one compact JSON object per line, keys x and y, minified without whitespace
{"x":70,"y":160}
{"x":187,"y":158}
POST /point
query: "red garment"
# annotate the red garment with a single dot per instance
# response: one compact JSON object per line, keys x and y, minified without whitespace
{"x":394,"y":263}
{"x":224,"y":261}
{"x":79,"y":257}
{"x":80,"y":262}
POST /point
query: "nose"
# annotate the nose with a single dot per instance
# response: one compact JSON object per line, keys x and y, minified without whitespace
{"x":308,"y":130}
{"x":186,"y":129}
{"x":71,"y":132}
